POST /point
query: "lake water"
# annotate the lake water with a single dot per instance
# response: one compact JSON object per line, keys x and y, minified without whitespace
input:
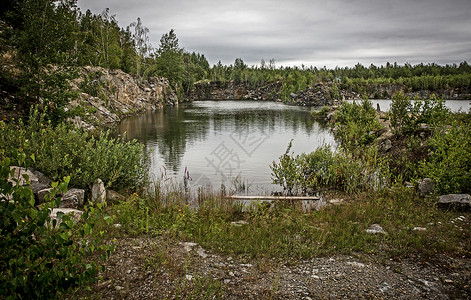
{"x":224,"y":142}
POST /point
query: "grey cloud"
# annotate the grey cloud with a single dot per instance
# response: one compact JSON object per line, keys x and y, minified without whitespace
{"x":315,"y":33}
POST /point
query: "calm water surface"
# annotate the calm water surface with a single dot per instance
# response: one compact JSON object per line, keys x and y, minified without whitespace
{"x":215,"y":142}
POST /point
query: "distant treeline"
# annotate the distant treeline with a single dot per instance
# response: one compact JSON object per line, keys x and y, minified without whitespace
{"x":44,"y":41}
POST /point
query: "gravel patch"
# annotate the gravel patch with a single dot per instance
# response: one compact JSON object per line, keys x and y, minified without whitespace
{"x":157,"y":268}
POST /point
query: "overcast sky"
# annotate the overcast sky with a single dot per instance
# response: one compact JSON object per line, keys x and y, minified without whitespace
{"x":310,"y":32}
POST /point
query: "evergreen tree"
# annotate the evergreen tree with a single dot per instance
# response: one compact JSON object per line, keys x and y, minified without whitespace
{"x":169,"y":59}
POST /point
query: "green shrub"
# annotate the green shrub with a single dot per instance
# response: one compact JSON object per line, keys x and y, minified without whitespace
{"x":321,"y":113}
{"x":356,"y":123}
{"x":286,"y":173}
{"x":40,"y":258}
{"x":64,"y":151}
{"x":407,"y":115}
{"x":449,"y":164}
{"x":325,"y":168}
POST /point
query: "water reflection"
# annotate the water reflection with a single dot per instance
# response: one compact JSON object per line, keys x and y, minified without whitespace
{"x":220,"y":140}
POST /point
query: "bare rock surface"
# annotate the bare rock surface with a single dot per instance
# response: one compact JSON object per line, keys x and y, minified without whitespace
{"x":455,"y":201}
{"x":74,"y":198}
{"x":107,"y":96}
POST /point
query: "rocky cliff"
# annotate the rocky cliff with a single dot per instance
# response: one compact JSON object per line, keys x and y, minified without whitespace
{"x":215,"y":90}
{"x":108,"y":96}
{"x":316,"y":95}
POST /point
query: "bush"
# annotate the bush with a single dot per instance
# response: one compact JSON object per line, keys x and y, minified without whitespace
{"x":323,"y":168}
{"x":286,"y":173}
{"x":40,"y":258}
{"x":64,"y":151}
{"x":321,"y":113}
{"x":355,"y":124}
{"x":449,"y":164}
{"x":407,"y":115}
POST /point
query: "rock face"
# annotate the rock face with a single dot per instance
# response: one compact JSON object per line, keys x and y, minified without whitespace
{"x":107,"y":96}
{"x":317,"y":95}
{"x":455,"y":201}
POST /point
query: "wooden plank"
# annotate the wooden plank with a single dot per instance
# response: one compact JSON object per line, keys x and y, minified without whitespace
{"x":272,"y":198}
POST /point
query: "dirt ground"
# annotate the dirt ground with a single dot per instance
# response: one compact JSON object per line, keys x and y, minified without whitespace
{"x":158,"y":268}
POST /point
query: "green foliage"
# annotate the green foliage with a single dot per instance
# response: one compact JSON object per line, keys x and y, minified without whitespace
{"x":334,"y":92}
{"x":356,"y":124}
{"x":323,"y":168}
{"x":449,"y":164}
{"x":41,"y":258}
{"x":286,"y":173}
{"x":321,"y":113}
{"x":91,"y":84}
{"x":407,"y":115}
{"x":63,"y":151}
{"x":44,"y":54}
{"x":169,"y":60}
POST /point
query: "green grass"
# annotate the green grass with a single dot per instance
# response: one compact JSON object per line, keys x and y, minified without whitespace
{"x":284,"y":231}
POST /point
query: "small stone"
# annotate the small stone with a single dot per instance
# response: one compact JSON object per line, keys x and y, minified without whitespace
{"x":189,"y":277}
{"x":38,"y":186}
{"x":201,"y":252}
{"x":231,"y":274}
{"x":188,"y":246}
{"x":386,"y":145}
{"x":239,"y":223}
{"x":355,"y":264}
{"x":384,"y":287}
{"x":419,"y":229}
{"x":449,"y":281}
{"x":119,"y":288}
{"x":335,"y":201}
{"x":376,"y":228}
